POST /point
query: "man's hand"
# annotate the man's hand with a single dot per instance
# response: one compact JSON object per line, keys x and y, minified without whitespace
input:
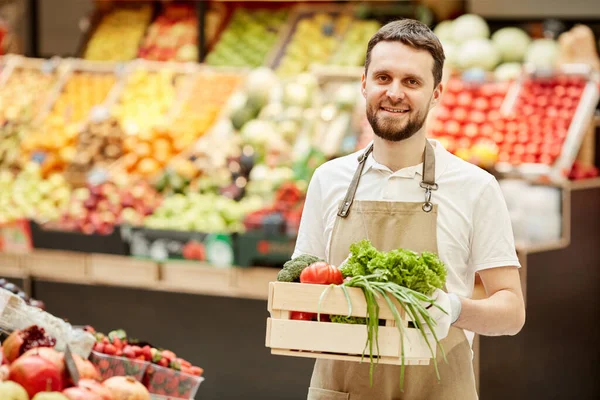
{"x":448,"y":314}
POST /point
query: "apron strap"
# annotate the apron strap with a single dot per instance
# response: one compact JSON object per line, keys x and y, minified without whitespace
{"x":428,"y":182}
{"x":345,"y":206}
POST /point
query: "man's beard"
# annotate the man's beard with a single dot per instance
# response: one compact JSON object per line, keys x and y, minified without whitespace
{"x":387,"y":130}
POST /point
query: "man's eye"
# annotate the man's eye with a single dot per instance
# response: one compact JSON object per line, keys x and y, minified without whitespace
{"x":413,"y":82}
{"x":382,"y":78}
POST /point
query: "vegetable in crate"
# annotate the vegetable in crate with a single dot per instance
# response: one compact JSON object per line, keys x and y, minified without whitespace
{"x":402,"y":275}
{"x":293,"y":268}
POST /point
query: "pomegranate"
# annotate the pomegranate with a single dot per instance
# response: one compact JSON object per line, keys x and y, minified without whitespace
{"x":86,"y":368}
{"x":126,"y":388}
{"x":49,"y":354}
{"x":20,"y":341}
{"x":36,"y":374}
{"x":3,"y":373}
{"x":12,"y":391}
{"x":97,"y":388}
{"x":79,"y":393}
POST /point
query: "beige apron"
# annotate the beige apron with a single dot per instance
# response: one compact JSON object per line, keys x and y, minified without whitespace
{"x":392,"y":225}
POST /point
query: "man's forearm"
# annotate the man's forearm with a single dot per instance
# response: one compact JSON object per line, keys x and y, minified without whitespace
{"x":502,"y":313}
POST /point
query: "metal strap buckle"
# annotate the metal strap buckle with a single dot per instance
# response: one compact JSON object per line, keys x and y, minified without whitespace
{"x":428,"y":206}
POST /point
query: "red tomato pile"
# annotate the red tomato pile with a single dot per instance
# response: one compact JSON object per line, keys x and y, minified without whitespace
{"x":468,"y":114}
{"x":535,"y":130}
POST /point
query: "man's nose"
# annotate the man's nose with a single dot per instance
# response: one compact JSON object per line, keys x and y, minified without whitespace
{"x":395,"y":93}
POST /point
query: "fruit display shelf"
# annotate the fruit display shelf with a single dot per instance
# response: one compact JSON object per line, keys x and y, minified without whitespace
{"x":26,"y":87}
{"x":249,"y":36}
{"x":54,"y":142}
{"x":116,"y":30}
{"x":173,"y":35}
{"x":553,"y":112}
{"x":532,"y":127}
{"x":143,"y":107}
{"x":311,"y":37}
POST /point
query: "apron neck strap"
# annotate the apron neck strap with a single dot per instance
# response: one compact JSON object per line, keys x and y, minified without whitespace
{"x":428,"y":182}
{"x":345,"y":206}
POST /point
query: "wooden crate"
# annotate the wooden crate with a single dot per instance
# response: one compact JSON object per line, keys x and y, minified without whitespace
{"x":332,"y":340}
{"x":123,"y":271}
{"x":56,"y":265}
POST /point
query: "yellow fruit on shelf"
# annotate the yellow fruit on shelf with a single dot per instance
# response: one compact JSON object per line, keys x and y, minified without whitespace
{"x":118,"y":36}
{"x":82,"y":91}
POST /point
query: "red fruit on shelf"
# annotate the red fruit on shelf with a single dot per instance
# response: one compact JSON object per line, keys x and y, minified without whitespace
{"x":471,"y":130}
{"x":496,"y":102}
{"x":486,"y":130}
{"x":478,"y":117}
{"x":455,"y":86}
{"x":449,"y":100}
{"x":459,"y":114}
{"x":442,"y":113}
{"x":452,"y":128}
{"x":464,"y":99}
{"x":481,"y":104}
{"x":436,"y":127}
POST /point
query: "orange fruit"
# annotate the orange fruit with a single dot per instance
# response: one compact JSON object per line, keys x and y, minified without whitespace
{"x":129,"y":161}
{"x":143,"y":149}
{"x":148,"y":166}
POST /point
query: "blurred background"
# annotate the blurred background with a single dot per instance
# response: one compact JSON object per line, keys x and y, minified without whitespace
{"x":154,"y":158}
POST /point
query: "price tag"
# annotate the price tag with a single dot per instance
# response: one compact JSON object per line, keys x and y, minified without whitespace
{"x":71,"y":366}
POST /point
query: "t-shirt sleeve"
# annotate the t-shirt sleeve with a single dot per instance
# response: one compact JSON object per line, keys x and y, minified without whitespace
{"x":493,"y":243}
{"x":311,"y":233}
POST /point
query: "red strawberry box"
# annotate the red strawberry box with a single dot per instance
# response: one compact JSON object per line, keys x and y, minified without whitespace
{"x":110,"y":366}
{"x":171,"y":383}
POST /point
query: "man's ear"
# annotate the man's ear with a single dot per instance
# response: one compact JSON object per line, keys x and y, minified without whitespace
{"x":363,"y":86}
{"x":437,"y":92}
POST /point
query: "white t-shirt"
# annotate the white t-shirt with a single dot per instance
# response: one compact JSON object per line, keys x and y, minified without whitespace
{"x":474,"y":231}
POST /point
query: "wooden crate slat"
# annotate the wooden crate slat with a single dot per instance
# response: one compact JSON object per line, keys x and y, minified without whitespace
{"x":341,"y":357}
{"x":305,"y":297}
{"x":196,"y":276}
{"x":126,"y":271}
{"x":346,"y":339}
{"x":56,"y":265}
{"x":10,"y":265}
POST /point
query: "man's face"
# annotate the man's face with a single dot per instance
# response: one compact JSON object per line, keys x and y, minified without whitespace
{"x":399,"y":89}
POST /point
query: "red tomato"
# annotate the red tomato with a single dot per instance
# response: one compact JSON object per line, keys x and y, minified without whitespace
{"x":481,"y":104}
{"x":452,"y":128}
{"x":496,"y":102}
{"x":302,"y":316}
{"x":471,"y":130}
{"x":442,"y":114}
{"x":560,"y":91}
{"x":530,"y":158}
{"x":503,"y":157}
{"x":498,"y":137}
{"x":335,"y":275}
{"x":321,"y":273}
{"x":317,"y":273}
{"x":449,"y":100}
{"x":437,"y":127}
{"x":459,"y":114}
{"x":455,"y":86}
{"x":464,"y":99}
{"x":486,"y":130}
{"x":494,"y":115}
{"x":477,"y":116}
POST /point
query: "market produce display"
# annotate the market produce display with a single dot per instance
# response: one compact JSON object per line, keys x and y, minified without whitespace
{"x":351,"y":50}
{"x":468,"y":44}
{"x":248,"y":38}
{"x":206,"y":98}
{"x":99,"y":208}
{"x":21,"y":100}
{"x":314,"y":40}
{"x":160,"y":370}
{"x":173,"y":35}
{"x":147,"y":99}
{"x":468,"y":121}
{"x":98,"y":145}
{"x":118,"y":36}
{"x":54,"y":142}
{"x":29,"y":195}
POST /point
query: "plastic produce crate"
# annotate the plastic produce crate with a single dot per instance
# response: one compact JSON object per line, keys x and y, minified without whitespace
{"x":110,"y":366}
{"x":171,"y":384}
{"x":336,"y":341}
